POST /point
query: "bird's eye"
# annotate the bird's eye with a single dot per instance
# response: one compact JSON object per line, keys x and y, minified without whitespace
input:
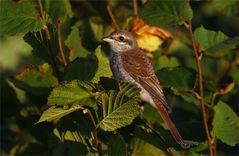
{"x":121,"y":38}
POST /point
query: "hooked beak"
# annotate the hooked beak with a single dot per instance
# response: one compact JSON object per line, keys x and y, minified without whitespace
{"x":108,"y":39}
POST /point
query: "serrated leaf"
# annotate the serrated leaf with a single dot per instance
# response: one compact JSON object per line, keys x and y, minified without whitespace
{"x":159,"y":12}
{"x":54,"y":113}
{"x":207,"y":38}
{"x":37,"y":80}
{"x":103,"y":65}
{"x":117,"y":146}
{"x":59,"y":10}
{"x":80,"y":69}
{"x":225,"y":124}
{"x":18,"y":18}
{"x":118,"y":110}
{"x":177,"y":77}
{"x":69,"y":93}
{"x":74,"y":43}
{"x":223,"y":47}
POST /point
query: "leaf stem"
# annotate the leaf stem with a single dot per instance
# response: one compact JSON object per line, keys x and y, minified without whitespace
{"x":115,"y":25}
{"x":135,"y":5}
{"x":201,"y":99}
{"x":48,"y":36}
{"x":58,"y":24}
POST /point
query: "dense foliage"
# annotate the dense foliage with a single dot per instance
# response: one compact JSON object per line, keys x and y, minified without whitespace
{"x":62,"y":100}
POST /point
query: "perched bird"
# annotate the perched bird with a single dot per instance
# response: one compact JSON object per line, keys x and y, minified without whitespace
{"x":128,"y":62}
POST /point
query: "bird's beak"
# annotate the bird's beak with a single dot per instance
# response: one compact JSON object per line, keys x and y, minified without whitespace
{"x":108,"y":39}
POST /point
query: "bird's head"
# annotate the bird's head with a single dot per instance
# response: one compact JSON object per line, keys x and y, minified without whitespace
{"x":121,"y":41}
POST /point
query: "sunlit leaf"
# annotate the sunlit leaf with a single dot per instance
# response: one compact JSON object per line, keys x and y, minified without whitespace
{"x":69,"y":93}
{"x":164,"y":12}
{"x":36,"y":80}
{"x":54,"y":113}
{"x":18,"y":18}
{"x":103,"y":65}
{"x":74,"y":43}
{"x":166,"y":62}
{"x":118,"y":110}
{"x":225,"y":124}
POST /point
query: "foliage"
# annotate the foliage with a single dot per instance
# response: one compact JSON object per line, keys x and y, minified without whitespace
{"x":62,"y":99}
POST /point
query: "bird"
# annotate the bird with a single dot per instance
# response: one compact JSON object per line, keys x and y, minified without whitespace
{"x":129,"y":63}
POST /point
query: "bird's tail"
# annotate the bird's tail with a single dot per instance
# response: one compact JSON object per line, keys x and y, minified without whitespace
{"x":165,"y":116}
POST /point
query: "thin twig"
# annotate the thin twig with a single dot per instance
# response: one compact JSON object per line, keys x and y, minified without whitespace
{"x":135,"y":5}
{"x":201,"y":99}
{"x":46,"y":30}
{"x":58,"y":24}
{"x":161,"y":138}
{"x":98,"y":146}
{"x":115,"y":25}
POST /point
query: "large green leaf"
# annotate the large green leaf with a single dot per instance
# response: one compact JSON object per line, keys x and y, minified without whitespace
{"x":103,"y":65}
{"x":177,"y":77}
{"x":18,"y":18}
{"x":207,"y":38}
{"x":73,"y":42}
{"x":36,"y":80}
{"x":118,"y":110}
{"x":81,"y":69}
{"x":157,"y":12}
{"x":69,"y":93}
{"x":54,"y":113}
{"x":57,"y":10}
{"x":225,"y":124}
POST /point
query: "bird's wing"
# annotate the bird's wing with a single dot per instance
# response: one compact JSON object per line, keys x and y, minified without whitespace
{"x":140,"y":69}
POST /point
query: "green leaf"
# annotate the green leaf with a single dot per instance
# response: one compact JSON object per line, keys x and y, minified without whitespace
{"x":166,"y":62}
{"x":164,"y":12}
{"x":69,"y":93}
{"x":117,"y":145}
{"x":118,"y":110}
{"x":54,"y":113}
{"x":59,"y":10}
{"x":18,"y":18}
{"x":141,"y":147}
{"x":39,"y":45}
{"x":223,"y":47}
{"x":177,"y":77}
{"x":74,"y":43}
{"x":207,"y":38}
{"x":225,"y":124}
{"x":80,"y":69}
{"x":103,"y":65}
{"x":36,"y":80}
{"x":226,"y":7}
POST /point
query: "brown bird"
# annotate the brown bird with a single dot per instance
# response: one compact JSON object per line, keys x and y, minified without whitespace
{"x":128,"y":62}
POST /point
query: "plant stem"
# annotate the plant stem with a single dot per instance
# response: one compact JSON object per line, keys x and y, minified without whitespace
{"x":46,"y":30}
{"x":201,"y":99}
{"x":58,"y":24}
{"x":115,"y":25}
{"x":135,"y":5}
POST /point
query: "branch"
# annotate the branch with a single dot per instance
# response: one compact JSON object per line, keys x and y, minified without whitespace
{"x":135,"y":5}
{"x":201,"y":99}
{"x":58,"y":24}
{"x":46,"y":30}
{"x":115,"y":25}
